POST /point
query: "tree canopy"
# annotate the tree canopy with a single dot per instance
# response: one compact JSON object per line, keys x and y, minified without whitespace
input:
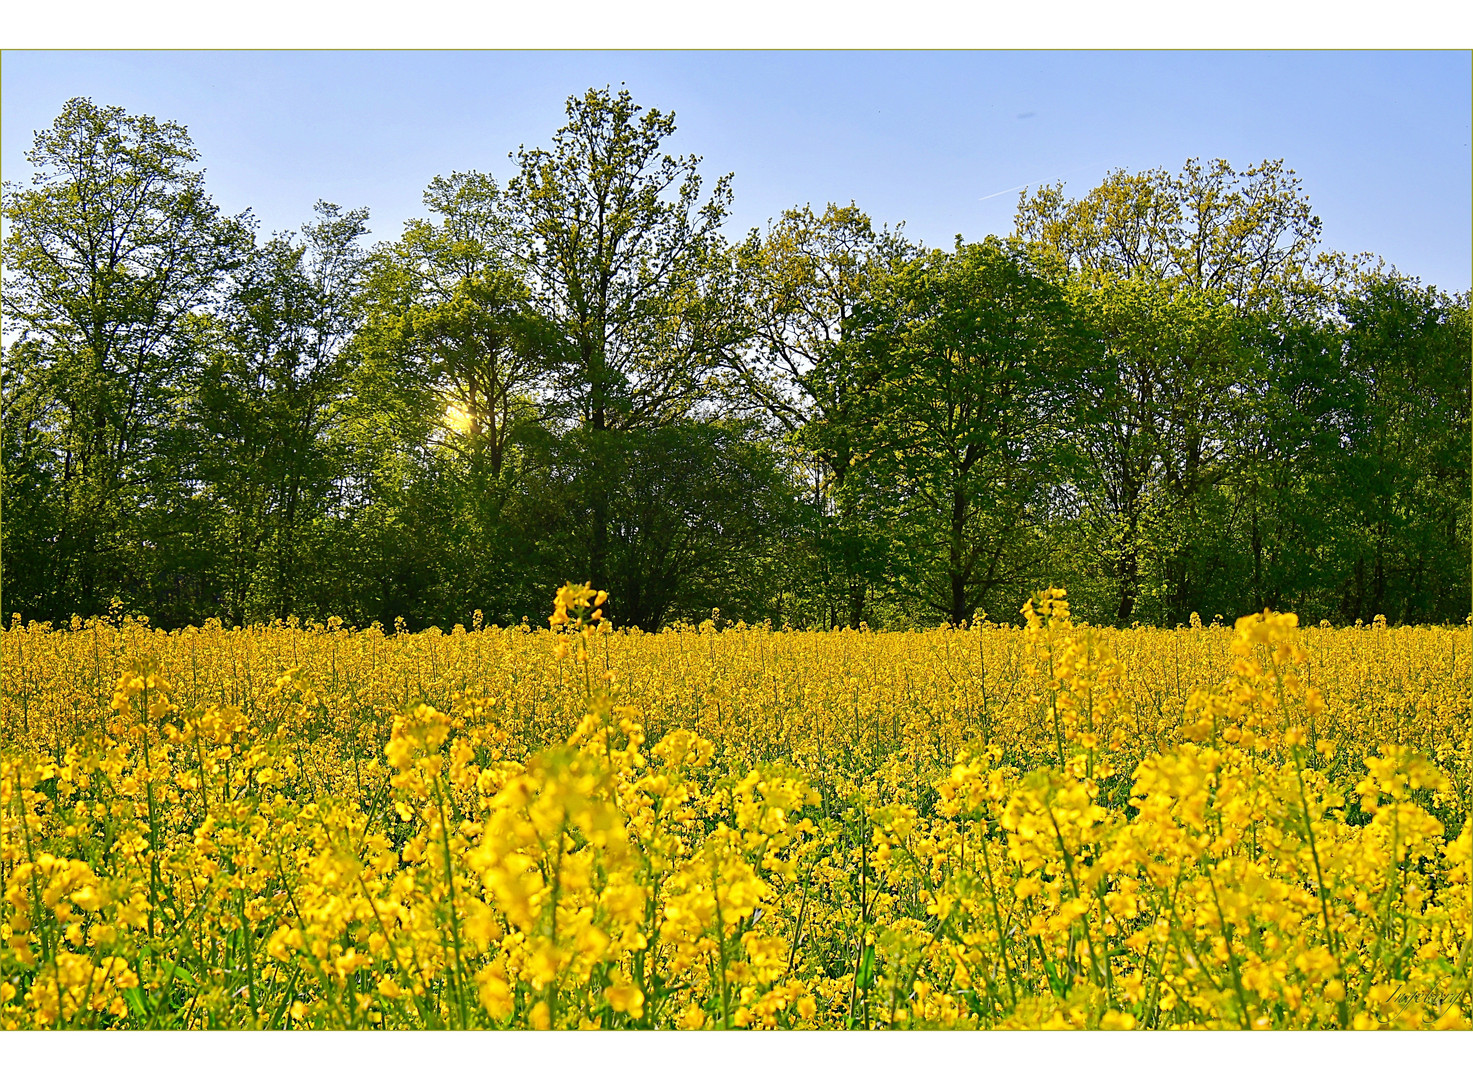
{"x":1163,"y":394}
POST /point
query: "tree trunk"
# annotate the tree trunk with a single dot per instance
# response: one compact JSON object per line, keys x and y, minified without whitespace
{"x":1128,"y":570}
{"x":598,"y":554}
{"x":956,"y":569}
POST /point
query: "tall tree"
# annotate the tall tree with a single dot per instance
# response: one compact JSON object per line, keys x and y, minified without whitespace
{"x":971,"y":352}
{"x":804,"y":282}
{"x":112,"y":246}
{"x":1176,"y":272}
{"x":451,"y":363}
{"x":1157,"y":426}
{"x":276,"y":373}
{"x":1403,"y":472}
{"x":621,"y":256}
{"x":447,"y":308}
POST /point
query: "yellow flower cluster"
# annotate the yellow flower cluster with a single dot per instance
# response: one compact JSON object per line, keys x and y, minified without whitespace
{"x":1036,"y":826}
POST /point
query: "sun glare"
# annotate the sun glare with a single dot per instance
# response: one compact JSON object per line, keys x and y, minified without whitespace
{"x":457,"y":419}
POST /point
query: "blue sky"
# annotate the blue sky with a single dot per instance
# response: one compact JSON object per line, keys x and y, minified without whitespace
{"x":937,"y":139}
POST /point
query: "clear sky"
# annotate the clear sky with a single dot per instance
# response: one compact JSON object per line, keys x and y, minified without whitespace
{"x":940,"y":140}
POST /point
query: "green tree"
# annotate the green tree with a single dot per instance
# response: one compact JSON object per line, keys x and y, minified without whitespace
{"x":624,"y":260}
{"x":1156,"y":428}
{"x":1404,"y":470}
{"x":32,"y":523}
{"x":1277,"y":525}
{"x":275,"y":378}
{"x":799,"y":369}
{"x":1178,"y":274}
{"x":113,"y":245}
{"x":699,"y":512}
{"x":1250,"y":238}
{"x":970,"y":351}
{"x":450,"y":311}
{"x":450,"y":362}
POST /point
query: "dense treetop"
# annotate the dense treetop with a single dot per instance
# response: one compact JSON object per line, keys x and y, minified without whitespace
{"x":1162,"y":394}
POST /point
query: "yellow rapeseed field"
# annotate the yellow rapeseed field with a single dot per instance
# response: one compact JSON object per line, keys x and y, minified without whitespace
{"x":1033,"y":826}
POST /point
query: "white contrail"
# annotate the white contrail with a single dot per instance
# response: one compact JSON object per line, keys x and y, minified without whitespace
{"x":1020,"y":187}
{"x":1009,"y":191}
{"x":1004,"y":191}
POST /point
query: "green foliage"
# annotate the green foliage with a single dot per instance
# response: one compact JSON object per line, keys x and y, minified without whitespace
{"x":1402,"y":473}
{"x":1162,"y":395}
{"x":618,"y":253}
{"x":969,"y":354}
{"x":699,"y":516}
{"x":800,"y":370}
{"x":262,"y":457}
{"x":111,"y":249}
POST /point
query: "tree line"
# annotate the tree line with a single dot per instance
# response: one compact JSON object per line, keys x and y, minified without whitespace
{"x":1164,"y":395}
